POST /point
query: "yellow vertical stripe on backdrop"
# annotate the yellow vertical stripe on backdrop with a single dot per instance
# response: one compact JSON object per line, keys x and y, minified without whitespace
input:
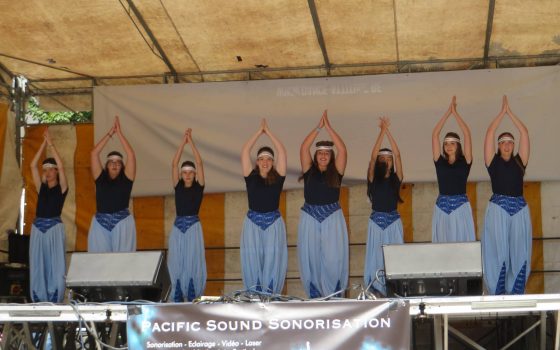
{"x":85,"y":186}
{"x":31,"y":143}
{"x":149,"y":216}
{"x":471,"y":194}
{"x":532,"y":194}
{"x":3,"y":128}
{"x":405,"y":210}
{"x":212,"y":219}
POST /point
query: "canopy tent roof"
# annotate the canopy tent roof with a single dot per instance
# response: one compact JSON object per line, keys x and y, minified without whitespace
{"x":64,"y":48}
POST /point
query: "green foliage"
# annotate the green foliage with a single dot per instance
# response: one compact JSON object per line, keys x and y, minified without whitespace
{"x":37,"y":113}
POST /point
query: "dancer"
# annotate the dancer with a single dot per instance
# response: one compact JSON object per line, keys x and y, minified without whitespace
{"x":322,"y":233}
{"x":507,"y":238}
{"x":112,"y":228}
{"x":384,"y":177}
{"x":186,"y":261}
{"x":46,"y":247}
{"x":264,"y":251}
{"x":452,"y":220}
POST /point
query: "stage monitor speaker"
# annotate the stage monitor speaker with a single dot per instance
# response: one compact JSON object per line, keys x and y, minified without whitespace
{"x":436,"y":269}
{"x":119,"y":276}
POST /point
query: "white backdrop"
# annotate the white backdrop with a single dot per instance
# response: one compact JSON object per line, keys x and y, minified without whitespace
{"x":223,"y":115}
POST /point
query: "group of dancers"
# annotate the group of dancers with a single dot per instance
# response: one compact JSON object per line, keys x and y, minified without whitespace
{"x":322,"y":245}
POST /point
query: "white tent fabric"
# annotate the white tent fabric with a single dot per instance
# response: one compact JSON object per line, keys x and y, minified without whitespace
{"x":224,"y":115}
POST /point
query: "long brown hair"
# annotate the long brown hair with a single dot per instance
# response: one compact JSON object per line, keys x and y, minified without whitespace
{"x":332,"y":175}
{"x":458,"y":153}
{"x":114,"y":153}
{"x":516,"y":159}
{"x":272,"y":175}
{"x":380,"y":171}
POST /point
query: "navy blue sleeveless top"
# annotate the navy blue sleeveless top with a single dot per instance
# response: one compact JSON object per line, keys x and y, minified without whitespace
{"x":507,"y":176}
{"x":263,"y":198}
{"x":112,"y":195}
{"x":315,"y":188}
{"x":383,"y":196}
{"x":50,"y":201}
{"x":188,"y":199}
{"x":452,"y":178}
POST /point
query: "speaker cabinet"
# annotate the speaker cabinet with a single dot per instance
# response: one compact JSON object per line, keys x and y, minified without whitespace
{"x":119,"y":276}
{"x":433,"y":269}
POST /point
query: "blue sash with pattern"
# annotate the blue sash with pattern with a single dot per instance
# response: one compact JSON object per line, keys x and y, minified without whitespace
{"x":448,"y":203}
{"x":383,"y":219}
{"x":45,"y":224}
{"x":320,"y":212}
{"x":110,"y":220}
{"x":263,"y":220}
{"x":510,"y":204}
{"x":183,"y":223}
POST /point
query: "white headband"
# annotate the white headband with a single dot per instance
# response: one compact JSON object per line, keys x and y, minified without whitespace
{"x":265,"y":154}
{"x":327,"y":148}
{"x":451,"y":139}
{"x":384,"y":153}
{"x":188,"y":168}
{"x":505,"y":138}
{"x":49,"y":166}
{"x":114,"y":157}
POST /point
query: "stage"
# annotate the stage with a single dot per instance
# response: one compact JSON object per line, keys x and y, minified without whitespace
{"x":27,"y":323}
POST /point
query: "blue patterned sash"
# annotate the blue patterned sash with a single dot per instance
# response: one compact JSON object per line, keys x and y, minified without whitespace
{"x":183,"y":223}
{"x":320,"y":212}
{"x":263,"y":220}
{"x":448,"y":203}
{"x":383,"y":219}
{"x":110,"y":220}
{"x":45,"y":224}
{"x":510,"y":204}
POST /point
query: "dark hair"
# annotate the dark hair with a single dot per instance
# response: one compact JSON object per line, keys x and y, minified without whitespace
{"x":379,"y":171}
{"x":265,"y":149}
{"x":114,"y":153}
{"x":49,"y":161}
{"x":459,"y":155}
{"x":273,"y":174}
{"x":52,"y":161}
{"x":516,"y":159}
{"x":188,"y":163}
{"x":332,"y":175}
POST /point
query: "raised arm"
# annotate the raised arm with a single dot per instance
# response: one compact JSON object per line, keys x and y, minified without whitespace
{"x":282,"y":159}
{"x":197,"y":159}
{"x":467,"y":150}
{"x":34,"y":166}
{"x":177,"y":158}
{"x":489,"y":143}
{"x":437,"y":131}
{"x":246,"y":165}
{"x":396,"y":152}
{"x":95,"y":161}
{"x":375,"y":151}
{"x":130,"y":166}
{"x":305,"y":150}
{"x":524,"y":144}
{"x":61,"y":174}
{"x":341,"y":154}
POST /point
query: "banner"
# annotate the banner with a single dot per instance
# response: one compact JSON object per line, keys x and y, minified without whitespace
{"x":344,"y":325}
{"x":223,"y":116}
